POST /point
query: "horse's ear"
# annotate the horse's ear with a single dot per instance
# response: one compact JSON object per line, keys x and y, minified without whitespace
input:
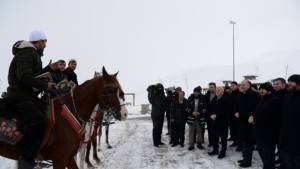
{"x":115,"y":75}
{"x":104,"y":71}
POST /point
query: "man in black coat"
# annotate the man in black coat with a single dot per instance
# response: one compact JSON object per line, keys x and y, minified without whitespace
{"x":290,"y":137}
{"x":25,"y":65}
{"x":280,"y":88}
{"x":220,"y":122}
{"x":157,"y":98}
{"x":247,"y":103}
{"x":209,"y":96}
{"x":178,"y":119}
{"x":233,"y":121}
{"x":70,"y":71}
{"x":265,"y":120}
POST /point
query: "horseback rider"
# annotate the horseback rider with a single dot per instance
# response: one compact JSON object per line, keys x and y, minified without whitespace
{"x":25,"y":65}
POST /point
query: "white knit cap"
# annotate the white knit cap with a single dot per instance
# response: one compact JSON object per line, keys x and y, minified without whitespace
{"x":36,"y":36}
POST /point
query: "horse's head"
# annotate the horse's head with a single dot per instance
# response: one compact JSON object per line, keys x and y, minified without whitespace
{"x":110,"y":95}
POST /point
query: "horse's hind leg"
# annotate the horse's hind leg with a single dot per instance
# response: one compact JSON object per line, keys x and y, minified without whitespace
{"x":72,"y":164}
{"x":95,"y":155}
{"x":87,"y":155}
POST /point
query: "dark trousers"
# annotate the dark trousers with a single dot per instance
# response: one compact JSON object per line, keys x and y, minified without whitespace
{"x":267,"y":154}
{"x":168,"y":122}
{"x":158,"y":122}
{"x":233,"y":129}
{"x":202,"y":125}
{"x":209,"y":131}
{"x":31,"y":122}
{"x":177,"y":133}
{"x":219,"y":132}
{"x":289,"y":160}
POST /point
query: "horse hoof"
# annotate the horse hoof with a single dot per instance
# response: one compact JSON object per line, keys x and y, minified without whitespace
{"x":98,"y":161}
{"x":90,"y":166}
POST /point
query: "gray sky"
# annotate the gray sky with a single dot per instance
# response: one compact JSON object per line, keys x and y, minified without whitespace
{"x":151,"y":40}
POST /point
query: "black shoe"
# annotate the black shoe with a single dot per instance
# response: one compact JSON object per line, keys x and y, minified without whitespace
{"x":175,"y":144}
{"x":161,"y":143}
{"x":182,"y":145}
{"x":191,"y":148}
{"x":168,"y":134}
{"x":221,"y":156}
{"x":230,"y":139}
{"x":156,"y":145}
{"x":25,"y":164}
{"x":200,"y":146}
{"x":213,"y":153}
{"x":245,"y":165}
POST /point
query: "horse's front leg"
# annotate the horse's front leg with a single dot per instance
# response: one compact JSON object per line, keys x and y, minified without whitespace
{"x":106,"y":138}
{"x":95,"y":155}
{"x":87,"y":155}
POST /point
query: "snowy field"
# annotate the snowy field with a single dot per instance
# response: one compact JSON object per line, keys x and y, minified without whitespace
{"x":133,"y":149}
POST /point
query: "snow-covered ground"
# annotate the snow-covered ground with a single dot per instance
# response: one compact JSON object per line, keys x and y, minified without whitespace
{"x":133,"y":149}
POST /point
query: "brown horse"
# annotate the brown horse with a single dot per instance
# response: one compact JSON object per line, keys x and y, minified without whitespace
{"x":104,"y":91}
{"x":96,"y":120}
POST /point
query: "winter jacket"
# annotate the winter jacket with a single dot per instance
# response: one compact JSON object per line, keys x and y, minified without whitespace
{"x":191,"y":119}
{"x":71,"y":75}
{"x":290,"y":137}
{"x":25,"y":65}
{"x":58,"y":76}
{"x":221,"y":107}
{"x":159,"y":104}
{"x":179,"y":112}
{"x":266,"y":119}
{"x":233,"y":97}
{"x":247,"y":103}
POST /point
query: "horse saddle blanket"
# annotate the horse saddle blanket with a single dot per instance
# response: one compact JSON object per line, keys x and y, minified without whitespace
{"x":9,"y":131}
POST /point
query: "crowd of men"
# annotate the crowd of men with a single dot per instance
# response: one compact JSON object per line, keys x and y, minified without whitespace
{"x":265,"y":118}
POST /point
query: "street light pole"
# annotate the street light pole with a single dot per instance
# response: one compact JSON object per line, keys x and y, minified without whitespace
{"x":233,"y":50}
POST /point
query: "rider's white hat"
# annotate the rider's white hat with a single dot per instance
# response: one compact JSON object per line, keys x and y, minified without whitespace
{"x":36,"y":36}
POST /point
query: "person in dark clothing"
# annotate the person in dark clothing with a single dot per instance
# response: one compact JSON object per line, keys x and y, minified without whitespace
{"x":59,"y":74}
{"x":196,"y":116}
{"x":247,"y":102}
{"x":280,"y":88}
{"x":265,"y":120}
{"x":220,"y":122}
{"x":209,"y":96}
{"x":25,"y":65}
{"x":290,"y":137}
{"x":157,"y":98}
{"x":70,"y":71}
{"x":233,"y":122}
{"x":168,"y":112}
{"x":178,"y":120}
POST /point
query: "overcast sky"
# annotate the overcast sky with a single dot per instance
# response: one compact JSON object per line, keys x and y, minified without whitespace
{"x":148,"y":40}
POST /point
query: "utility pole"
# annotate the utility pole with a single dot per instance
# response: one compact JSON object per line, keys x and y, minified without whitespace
{"x":233,"y":50}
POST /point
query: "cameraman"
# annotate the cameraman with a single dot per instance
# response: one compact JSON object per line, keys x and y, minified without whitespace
{"x":157,"y":98}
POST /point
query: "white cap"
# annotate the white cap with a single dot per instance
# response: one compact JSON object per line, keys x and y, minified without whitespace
{"x":36,"y":36}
